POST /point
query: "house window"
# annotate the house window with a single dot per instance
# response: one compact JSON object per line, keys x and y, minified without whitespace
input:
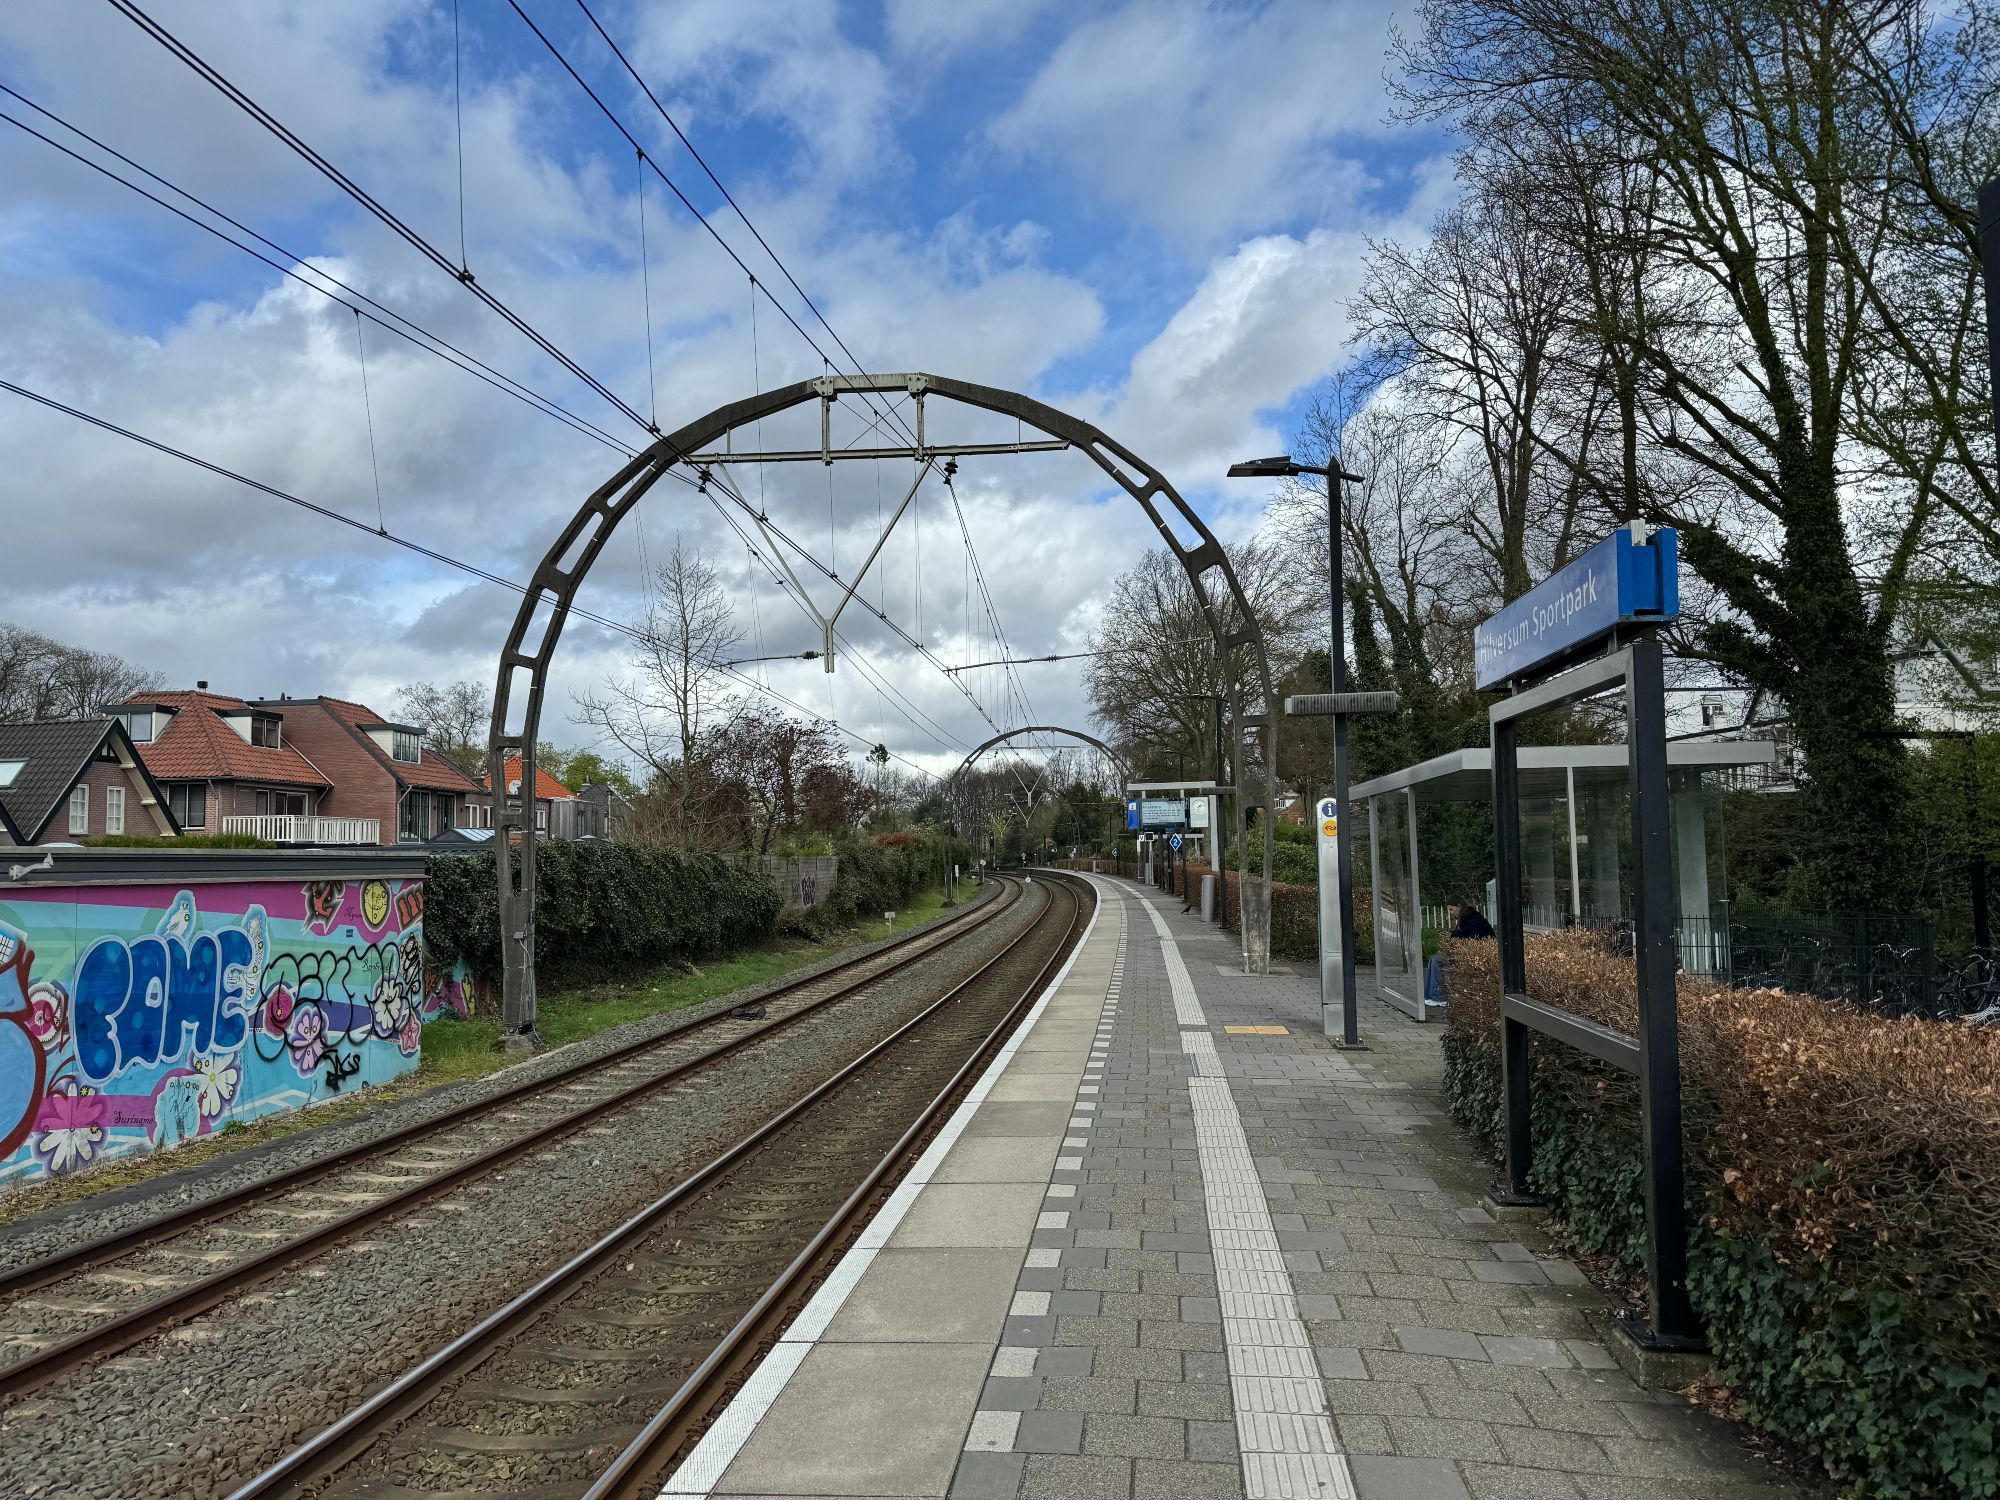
{"x":406,"y":745}
{"x":416,"y":826}
{"x":289,"y":804}
{"x":477,"y":815}
{"x":9,"y":769}
{"x":441,"y":813}
{"x":139,"y":724}
{"x":79,"y":810}
{"x":188,"y":802}
{"x":541,"y":818}
{"x":114,"y":809}
{"x":264,"y":732}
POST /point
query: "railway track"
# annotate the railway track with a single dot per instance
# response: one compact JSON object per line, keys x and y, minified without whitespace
{"x":591,"y":1381}
{"x":105,"y":1295}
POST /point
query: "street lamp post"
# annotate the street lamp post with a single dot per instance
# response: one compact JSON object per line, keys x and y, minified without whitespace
{"x":1285,"y":467}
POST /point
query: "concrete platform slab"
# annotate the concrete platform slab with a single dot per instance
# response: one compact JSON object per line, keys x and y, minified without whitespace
{"x":896,"y":1415}
{"x":928,"y":1297}
{"x":997,"y":1214}
{"x":1048,"y":1118}
{"x":1018,"y":1087}
{"x":999,"y":1158}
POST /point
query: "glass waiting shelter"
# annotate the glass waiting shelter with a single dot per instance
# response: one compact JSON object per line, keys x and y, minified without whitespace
{"x":1575,"y":846}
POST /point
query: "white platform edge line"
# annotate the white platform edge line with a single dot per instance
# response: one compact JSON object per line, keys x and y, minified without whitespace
{"x":732,"y":1428}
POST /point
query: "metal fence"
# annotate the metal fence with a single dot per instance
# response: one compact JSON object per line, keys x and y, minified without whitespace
{"x":1882,"y":963}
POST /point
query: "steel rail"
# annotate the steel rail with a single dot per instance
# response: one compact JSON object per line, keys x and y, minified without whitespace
{"x":82,"y":1257}
{"x":157,"y":1314}
{"x":631,"y":1475}
{"x":353,"y":1434}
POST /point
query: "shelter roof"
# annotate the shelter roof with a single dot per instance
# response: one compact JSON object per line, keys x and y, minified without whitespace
{"x":1467,"y":775}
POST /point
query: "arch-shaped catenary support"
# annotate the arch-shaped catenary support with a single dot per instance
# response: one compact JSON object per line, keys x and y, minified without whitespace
{"x":1014,"y":734}
{"x":538,"y":625}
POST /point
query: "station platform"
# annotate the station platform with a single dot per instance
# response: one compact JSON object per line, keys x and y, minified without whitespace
{"x":1175,"y":1245}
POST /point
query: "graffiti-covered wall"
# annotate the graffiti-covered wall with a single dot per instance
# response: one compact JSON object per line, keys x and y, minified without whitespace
{"x":135,"y":1016}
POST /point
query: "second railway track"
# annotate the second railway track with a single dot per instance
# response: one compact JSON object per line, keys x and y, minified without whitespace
{"x":105,"y":1295}
{"x":589,"y":1382}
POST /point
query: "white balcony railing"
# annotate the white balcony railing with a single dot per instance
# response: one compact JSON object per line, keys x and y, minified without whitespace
{"x":287,"y":828}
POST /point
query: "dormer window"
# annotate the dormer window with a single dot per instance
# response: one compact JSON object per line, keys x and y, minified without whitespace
{"x":9,"y":770}
{"x":266,"y":732}
{"x":406,"y":745}
{"x":144,"y":724}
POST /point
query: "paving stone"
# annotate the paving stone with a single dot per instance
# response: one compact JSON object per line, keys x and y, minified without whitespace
{"x":1134,"y":1436}
{"x":1364,"y":1434}
{"x":1088,"y":1394}
{"x":1187,"y":1400}
{"x":1049,"y":1432}
{"x":1442,"y":1437}
{"x":1063,"y":1477}
{"x":1440,"y":1341}
{"x":1153,"y":1479}
{"x":988,"y":1476}
{"x":1406,"y":1479}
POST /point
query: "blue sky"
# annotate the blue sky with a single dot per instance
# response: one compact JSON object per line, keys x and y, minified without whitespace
{"x":1150,"y":214}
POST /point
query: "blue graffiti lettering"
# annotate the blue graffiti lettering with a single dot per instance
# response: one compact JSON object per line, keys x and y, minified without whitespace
{"x":158,"y":997}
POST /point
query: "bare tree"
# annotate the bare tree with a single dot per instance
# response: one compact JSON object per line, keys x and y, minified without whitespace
{"x":1784,"y":307}
{"x":455,"y":719}
{"x":1156,"y":664}
{"x":664,"y":715}
{"x":42,"y":678}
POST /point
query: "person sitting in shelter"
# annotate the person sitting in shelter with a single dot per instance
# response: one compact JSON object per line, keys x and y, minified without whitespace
{"x":1472,"y":923}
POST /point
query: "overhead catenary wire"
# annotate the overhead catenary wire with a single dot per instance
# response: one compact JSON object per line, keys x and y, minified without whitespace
{"x":368,"y":410}
{"x":384,"y":317}
{"x":262,"y":116}
{"x":610,"y":115}
{"x":389,"y":319}
{"x":230,"y":91}
{"x":444,"y":559}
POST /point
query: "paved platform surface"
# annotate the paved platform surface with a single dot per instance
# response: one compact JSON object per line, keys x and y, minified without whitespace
{"x":1175,"y":1245}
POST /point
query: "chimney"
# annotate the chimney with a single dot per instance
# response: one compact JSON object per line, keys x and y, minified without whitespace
{"x":201,"y":685}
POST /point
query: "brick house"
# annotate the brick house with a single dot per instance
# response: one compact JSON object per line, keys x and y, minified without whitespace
{"x":377,"y":769}
{"x":556,"y":806}
{"x":64,"y":780}
{"x":228,"y":768}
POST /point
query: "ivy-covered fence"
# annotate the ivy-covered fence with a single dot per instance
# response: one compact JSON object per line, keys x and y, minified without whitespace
{"x":602,"y":909}
{"x":1844,"y":1185}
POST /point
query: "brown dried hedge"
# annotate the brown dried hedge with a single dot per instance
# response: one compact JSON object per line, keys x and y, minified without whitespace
{"x":1859,"y":1153}
{"x":1838,"y":1136}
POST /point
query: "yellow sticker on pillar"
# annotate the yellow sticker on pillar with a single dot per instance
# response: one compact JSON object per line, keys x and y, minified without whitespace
{"x":1330,"y":827}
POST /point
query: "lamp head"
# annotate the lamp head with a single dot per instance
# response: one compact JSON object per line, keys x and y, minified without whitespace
{"x":1281,"y":467}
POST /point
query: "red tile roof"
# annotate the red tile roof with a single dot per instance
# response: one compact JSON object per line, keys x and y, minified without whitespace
{"x":434,"y":771}
{"x":198,"y":746}
{"x":545,"y":784}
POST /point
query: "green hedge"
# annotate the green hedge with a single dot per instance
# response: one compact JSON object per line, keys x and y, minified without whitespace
{"x":1852,"y":1328}
{"x":878,"y":874}
{"x":603,"y":909}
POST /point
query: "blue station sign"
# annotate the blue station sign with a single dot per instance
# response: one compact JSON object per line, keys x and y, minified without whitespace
{"x":1631,"y":577}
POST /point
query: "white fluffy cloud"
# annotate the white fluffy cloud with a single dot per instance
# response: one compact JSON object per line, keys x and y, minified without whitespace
{"x":1205,"y":119}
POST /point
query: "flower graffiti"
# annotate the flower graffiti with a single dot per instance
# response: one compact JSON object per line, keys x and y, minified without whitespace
{"x":307,"y":1038}
{"x":72,"y":1118}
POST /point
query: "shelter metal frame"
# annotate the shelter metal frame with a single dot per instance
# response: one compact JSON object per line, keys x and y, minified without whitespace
{"x":1654,"y":1054}
{"x":537,"y":628}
